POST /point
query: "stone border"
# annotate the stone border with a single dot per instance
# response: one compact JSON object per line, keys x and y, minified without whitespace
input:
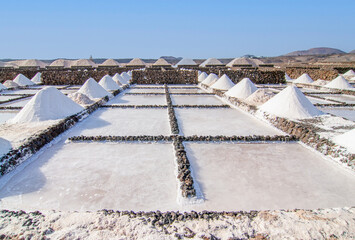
{"x":10,"y":108}
{"x":172,"y":117}
{"x":134,"y":106}
{"x":144,"y":93}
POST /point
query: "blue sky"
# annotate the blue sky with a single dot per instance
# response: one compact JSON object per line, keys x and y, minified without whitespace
{"x":153,"y":28}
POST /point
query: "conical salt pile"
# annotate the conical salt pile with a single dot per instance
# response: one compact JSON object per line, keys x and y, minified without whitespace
{"x":37,"y":78}
{"x":223,"y":83}
{"x":2,"y":87}
{"x":202,"y":77}
{"x":108,"y":84}
{"x":21,"y":80}
{"x":259,"y":97}
{"x":80,"y":98}
{"x":93,"y":90}
{"x":125,"y":78}
{"x":10,"y":84}
{"x":346,"y":140}
{"x":287,"y":77}
{"x":290,"y":103}
{"x":129,"y":73}
{"x":320,"y":82}
{"x":304,"y":78}
{"x":47,"y":104}
{"x":118,"y":79}
{"x":242,"y":90}
{"x":211,"y":79}
{"x":349,"y":74}
{"x":339,"y":83}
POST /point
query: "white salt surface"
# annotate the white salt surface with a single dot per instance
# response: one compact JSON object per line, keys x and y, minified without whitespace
{"x":22,"y":80}
{"x":6,"y":115}
{"x":122,"y":122}
{"x":37,"y":78}
{"x":291,"y":103}
{"x":48,"y":104}
{"x":17,"y":103}
{"x":211,"y":78}
{"x":314,"y":100}
{"x":304,"y":78}
{"x":2,"y":87}
{"x":138,"y":100}
{"x":145,"y":90}
{"x":320,"y":82}
{"x":94,"y":176}
{"x":80,"y":98}
{"x":242,"y":89}
{"x":221,"y":122}
{"x":6,"y":98}
{"x":195,"y":100}
{"x":93,"y":90}
{"x":339,"y":83}
{"x":349,"y":73}
{"x":187,"y":90}
{"x":259,"y":97}
{"x":118,"y":79}
{"x":202,"y":77}
{"x":346,"y":112}
{"x":10,"y":84}
{"x":268,"y":176}
{"x":339,"y":97}
{"x":23,"y":91}
{"x":108,"y":83}
{"x":347,"y":140}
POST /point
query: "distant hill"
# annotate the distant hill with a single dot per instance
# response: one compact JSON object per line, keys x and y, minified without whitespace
{"x":316,"y":51}
{"x":353,"y":51}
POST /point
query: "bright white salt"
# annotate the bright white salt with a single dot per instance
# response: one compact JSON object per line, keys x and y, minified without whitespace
{"x":291,"y":103}
{"x":259,"y":97}
{"x":339,"y":83}
{"x":118,"y":79}
{"x":212,"y":78}
{"x":2,"y":87}
{"x":37,"y":78}
{"x":223,"y":83}
{"x":349,"y":73}
{"x":47,"y":104}
{"x":242,"y":90}
{"x":202,"y":77}
{"x":22,"y":80}
{"x":126,"y":76}
{"x":287,"y":77}
{"x":10,"y":84}
{"x":320,"y":82}
{"x":93,"y":90}
{"x":108,"y":83}
{"x":347,"y":140}
{"x":304,"y":78}
{"x":80,"y":98}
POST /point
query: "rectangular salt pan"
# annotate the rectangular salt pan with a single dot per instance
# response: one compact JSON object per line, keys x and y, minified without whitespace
{"x":138,"y":100}
{"x":195,"y":100}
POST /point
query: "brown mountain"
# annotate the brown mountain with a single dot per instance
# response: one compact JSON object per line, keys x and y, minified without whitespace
{"x":353,"y":51}
{"x":316,"y":51}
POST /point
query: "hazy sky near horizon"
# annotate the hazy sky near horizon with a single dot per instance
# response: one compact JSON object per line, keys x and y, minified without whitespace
{"x":153,"y":28}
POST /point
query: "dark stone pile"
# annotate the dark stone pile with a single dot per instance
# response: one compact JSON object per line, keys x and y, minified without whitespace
{"x":172,"y":118}
{"x":325,"y":74}
{"x":184,"y":173}
{"x":134,"y":106}
{"x":201,"y":106}
{"x":140,"y":93}
{"x":164,"y":77}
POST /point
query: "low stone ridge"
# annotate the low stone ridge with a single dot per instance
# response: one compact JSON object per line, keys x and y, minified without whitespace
{"x":172,"y":117}
{"x":150,"y":76}
{"x":134,"y":106}
{"x":147,"y":93}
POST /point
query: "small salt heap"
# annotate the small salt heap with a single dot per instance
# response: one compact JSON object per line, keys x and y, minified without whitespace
{"x":349,"y":74}
{"x":346,"y":140}
{"x":339,"y":83}
{"x":211,"y":79}
{"x":304,"y":78}
{"x":10,"y":84}
{"x":320,"y":82}
{"x":125,"y":76}
{"x":287,"y":78}
{"x":2,"y":87}
{"x":37,"y":78}
{"x":93,"y":90}
{"x":118,"y":79}
{"x":223,"y":83}
{"x":108,"y":84}
{"x":48,"y":104}
{"x":22,"y":80}
{"x":242,"y":90}
{"x":202,"y":77}
{"x":290,"y":103}
{"x":259,"y":97}
{"x":80,"y":98}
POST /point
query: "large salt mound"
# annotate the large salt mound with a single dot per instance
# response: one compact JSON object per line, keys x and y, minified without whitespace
{"x":108,"y":84}
{"x":22,"y":80}
{"x":202,"y":77}
{"x":211,"y":79}
{"x":80,"y":98}
{"x":349,"y":74}
{"x":304,"y":78}
{"x":242,"y":90}
{"x":223,"y":83}
{"x":118,"y":79}
{"x":346,"y":140}
{"x":126,"y":76}
{"x":125,"y":80}
{"x":48,"y":104}
{"x":259,"y":97}
{"x":290,"y":103}
{"x":93,"y":90}
{"x":339,"y":83}
{"x":37,"y":78}
{"x":2,"y":87}
{"x":10,"y":84}
{"x":320,"y":82}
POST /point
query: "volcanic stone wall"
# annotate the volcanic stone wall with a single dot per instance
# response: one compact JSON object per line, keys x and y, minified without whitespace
{"x":325,"y":74}
{"x":152,"y":76}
